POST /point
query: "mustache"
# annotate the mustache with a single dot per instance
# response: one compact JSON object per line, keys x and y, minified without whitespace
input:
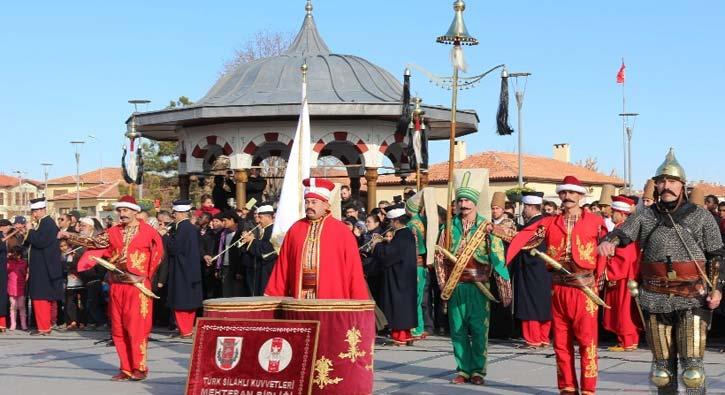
{"x":669,"y":191}
{"x":568,"y":201}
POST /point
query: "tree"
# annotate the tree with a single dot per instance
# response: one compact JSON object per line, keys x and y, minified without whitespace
{"x":589,"y":163}
{"x":262,"y":44}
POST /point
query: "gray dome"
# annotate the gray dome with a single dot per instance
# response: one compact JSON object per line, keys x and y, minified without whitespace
{"x":331,"y":78}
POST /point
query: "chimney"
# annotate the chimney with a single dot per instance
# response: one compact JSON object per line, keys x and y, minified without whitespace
{"x":459,"y":151}
{"x":561,"y":152}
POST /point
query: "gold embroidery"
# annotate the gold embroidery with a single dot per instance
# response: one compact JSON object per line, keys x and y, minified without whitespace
{"x":554,"y":251}
{"x":142,"y":363}
{"x":591,"y":307}
{"x":372,"y":357}
{"x":497,"y":249}
{"x":353,"y":340}
{"x":137,"y":261}
{"x":143,"y":304}
{"x":591,"y":356}
{"x":586,"y":251}
{"x":323,"y":367}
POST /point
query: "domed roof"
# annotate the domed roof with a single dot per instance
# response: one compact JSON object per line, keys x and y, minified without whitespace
{"x":338,"y":86}
{"x":332,"y":78}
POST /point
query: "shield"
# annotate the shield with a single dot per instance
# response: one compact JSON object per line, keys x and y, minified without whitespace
{"x":228,"y":352}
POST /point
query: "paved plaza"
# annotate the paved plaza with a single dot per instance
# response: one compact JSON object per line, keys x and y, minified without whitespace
{"x":76,"y":363}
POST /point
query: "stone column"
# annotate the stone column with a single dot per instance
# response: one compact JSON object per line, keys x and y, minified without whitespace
{"x":184,"y":183}
{"x":241,"y":177}
{"x":371,"y":177}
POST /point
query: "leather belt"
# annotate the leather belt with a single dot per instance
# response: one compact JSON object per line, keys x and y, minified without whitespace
{"x":574,"y":280}
{"x":681,"y":278}
{"x":420,"y":261}
{"x":309,"y":279}
{"x":478,"y":274}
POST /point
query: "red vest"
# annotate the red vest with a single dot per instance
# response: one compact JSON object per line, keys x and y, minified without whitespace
{"x":144,"y":252}
{"x":584,"y":241}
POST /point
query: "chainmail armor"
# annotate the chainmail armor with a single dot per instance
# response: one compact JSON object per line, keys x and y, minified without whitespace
{"x":699,"y":230}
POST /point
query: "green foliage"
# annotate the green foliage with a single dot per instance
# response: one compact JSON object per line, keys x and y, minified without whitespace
{"x":146,"y":205}
{"x":514,"y":194}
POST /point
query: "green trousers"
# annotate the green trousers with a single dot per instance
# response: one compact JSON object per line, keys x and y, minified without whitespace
{"x":468,"y":314}
{"x":421,"y":284}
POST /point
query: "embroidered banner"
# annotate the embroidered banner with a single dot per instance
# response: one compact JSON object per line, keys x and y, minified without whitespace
{"x":234,"y":356}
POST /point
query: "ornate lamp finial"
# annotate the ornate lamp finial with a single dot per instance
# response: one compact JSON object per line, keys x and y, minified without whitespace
{"x":457,"y":33}
{"x":308,"y":7}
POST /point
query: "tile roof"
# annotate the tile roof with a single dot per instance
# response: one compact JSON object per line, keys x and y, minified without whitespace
{"x":503,"y":166}
{"x":10,"y":181}
{"x":711,"y":189}
{"x":110,"y":174}
{"x":101,"y":191}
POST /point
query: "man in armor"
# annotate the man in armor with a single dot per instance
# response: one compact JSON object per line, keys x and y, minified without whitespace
{"x":681,"y":281}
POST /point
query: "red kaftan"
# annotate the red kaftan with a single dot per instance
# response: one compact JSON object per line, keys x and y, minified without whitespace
{"x":332,"y":252}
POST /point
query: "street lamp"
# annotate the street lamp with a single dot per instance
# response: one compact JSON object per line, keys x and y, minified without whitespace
{"x":22,"y":190}
{"x":519,"y":103}
{"x":456,"y":35}
{"x":77,"y":145}
{"x":46,"y":169}
{"x":628,"y":130}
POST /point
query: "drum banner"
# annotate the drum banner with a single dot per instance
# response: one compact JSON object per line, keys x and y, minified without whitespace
{"x":233,"y":356}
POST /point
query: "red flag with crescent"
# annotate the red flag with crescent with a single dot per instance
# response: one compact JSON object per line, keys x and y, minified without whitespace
{"x":620,"y":74}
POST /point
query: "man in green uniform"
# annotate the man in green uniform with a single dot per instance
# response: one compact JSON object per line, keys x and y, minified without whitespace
{"x":425,"y":230}
{"x":468,"y":306}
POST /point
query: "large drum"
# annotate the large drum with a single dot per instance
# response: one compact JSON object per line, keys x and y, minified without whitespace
{"x":344,"y":362}
{"x":258,"y":307}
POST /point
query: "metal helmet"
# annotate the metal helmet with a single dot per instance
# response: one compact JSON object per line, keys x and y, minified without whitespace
{"x":671,"y":168}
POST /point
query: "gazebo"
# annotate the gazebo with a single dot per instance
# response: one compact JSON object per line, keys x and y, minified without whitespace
{"x":251,"y":114}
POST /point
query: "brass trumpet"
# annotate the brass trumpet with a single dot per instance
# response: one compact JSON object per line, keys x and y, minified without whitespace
{"x":367,"y":247}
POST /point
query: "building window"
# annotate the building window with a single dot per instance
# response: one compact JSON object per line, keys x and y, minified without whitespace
{"x":2,"y":199}
{"x":59,"y":192}
{"x":18,"y":199}
{"x":90,"y":211}
{"x":31,"y":195}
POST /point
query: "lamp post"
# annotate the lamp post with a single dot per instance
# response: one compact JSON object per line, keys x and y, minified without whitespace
{"x":628,"y":134}
{"x":77,"y":145}
{"x":46,"y":169}
{"x":519,"y":104}
{"x":456,"y":35}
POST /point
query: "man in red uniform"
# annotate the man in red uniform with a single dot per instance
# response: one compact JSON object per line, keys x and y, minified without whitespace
{"x":319,"y":256}
{"x":622,"y":267}
{"x":571,"y":239}
{"x":135,"y":248}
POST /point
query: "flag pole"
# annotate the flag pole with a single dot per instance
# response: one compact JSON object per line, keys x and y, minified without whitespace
{"x":624,"y":135}
{"x":301,"y":207}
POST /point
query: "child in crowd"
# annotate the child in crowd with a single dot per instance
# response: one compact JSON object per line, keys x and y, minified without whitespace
{"x":17,"y":276}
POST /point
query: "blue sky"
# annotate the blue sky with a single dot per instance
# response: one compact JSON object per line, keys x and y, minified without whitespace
{"x":68,"y":69}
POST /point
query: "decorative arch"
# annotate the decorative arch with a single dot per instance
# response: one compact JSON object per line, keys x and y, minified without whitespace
{"x":341,"y":136}
{"x":266,"y":138}
{"x":206,"y":151}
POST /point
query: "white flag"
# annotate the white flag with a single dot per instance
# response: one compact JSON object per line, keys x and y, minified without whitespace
{"x":291,"y":202}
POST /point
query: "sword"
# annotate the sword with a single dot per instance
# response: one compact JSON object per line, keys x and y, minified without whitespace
{"x":634,"y":291}
{"x":110,"y":266}
{"x":558,"y":267}
{"x":481,"y":286}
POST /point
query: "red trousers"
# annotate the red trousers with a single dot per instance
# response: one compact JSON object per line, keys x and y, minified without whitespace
{"x":574,"y":319}
{"x":622,"y":319}
{"x":185,"y":321}
{"x":41,"y":311}
{"x":536,"y":333}
{"x":401,"y":335}
{"x":130,"y":312}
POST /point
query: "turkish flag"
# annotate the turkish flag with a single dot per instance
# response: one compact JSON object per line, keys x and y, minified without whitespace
{"x":86,"y":262}
{"x":620,"y":74}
